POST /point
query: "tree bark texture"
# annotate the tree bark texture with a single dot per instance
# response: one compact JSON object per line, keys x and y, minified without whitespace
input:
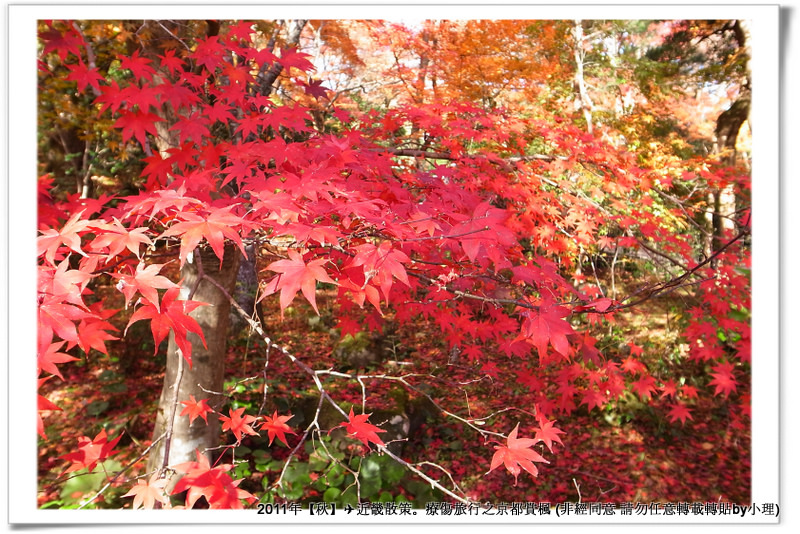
{"x":583,"y":102}
{"x":267,"y":79}
{"x":729,"y":123}
{"x":207,"y":370}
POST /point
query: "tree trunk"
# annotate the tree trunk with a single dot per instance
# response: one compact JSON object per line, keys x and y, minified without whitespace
{"x":582,"y":101}
{"x":207,"y":371}
{"x":266,"y":79}
{"x":729,"y":123}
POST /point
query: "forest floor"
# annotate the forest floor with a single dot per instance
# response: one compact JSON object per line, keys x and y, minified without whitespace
{"x":625,"y":453}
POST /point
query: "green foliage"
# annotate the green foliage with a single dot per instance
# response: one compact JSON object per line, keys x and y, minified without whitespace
{"x":330,"y":473}
{"x":81,"y":485}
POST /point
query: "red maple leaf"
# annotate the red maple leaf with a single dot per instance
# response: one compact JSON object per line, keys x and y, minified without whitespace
{"x":600,"y":305}
{"x":348,"y":326}
{"x":49,"y":242}
{"x":679,"y":411}
{"x":214,"y":228}
{"x":297,"y":275}
{"x":84,"y":76}
{"x":43,"y":405}
{"x":162,"y":201}
{"x":485,"y":229}
{"x":64,"y":282}
{"x":276,"y":427}
{"x":114,"y":97}
{"x":238,"y":170}
{"x":644,"y":387}
{"x":633,"y":366}
{"x":90,"y":452}
{"x":170,"y":61}
{"x":357,"y":427}
{"x":179,"y":96}
{"x":49,"y":356}
{"x":138,"y":65}
{"x":546,"y":325}
{"x":137,"y":124}
{"x":315,"y":89}
{"x":93,"y":330}
{"x":669,"y":389}
{"x":219,"y":112}
{"x":517,"y":455}
{"x":118,"y":238}
{"x":606,"y":242}
{"x":237,"y":74}
{"x":635,"y":349}
{"x":172,"y":315}
{"x":380,"y":264}
{"x":146,"y":281}
{"x":593,"y":398}
{"x":208,"y":53}
{"x":238,"y":424}
{"x":292,"y":59}
{"x":58,"y":317}
{"x":589,"y":351}
{"x":548,"y":433}
{"x":724,"y":382}
{"x":194,"y":409}
{"x":424,"y":223}
{"x":690,"y":392}
{"x":249,"y":124}
{"x":218,"y":488}
{"x":263,"y":56}
{"x":241,"y":31}
{"x":193,"y":128}
{"x":69,"y":42}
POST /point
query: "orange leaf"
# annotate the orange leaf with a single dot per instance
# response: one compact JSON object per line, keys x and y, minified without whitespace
{"x":147,"y":493}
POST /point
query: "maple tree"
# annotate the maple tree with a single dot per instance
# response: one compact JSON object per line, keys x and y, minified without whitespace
{"x":466,"y":212}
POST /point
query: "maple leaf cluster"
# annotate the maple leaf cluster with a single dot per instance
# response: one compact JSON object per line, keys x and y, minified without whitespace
{"x":90,"y":452}
{"x":239,"y":423}
{"x":219,"y":489}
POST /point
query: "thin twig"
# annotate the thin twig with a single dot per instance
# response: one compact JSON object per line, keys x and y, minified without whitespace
{"x":675,"y":283}
{"x":324,"y":395}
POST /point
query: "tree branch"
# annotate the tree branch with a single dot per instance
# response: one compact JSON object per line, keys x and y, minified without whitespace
{"x":324,"y":394}
{"x":265,"y":83}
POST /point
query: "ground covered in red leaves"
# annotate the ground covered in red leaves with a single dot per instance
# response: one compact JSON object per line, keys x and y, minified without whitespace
{"x":627,"y":452}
